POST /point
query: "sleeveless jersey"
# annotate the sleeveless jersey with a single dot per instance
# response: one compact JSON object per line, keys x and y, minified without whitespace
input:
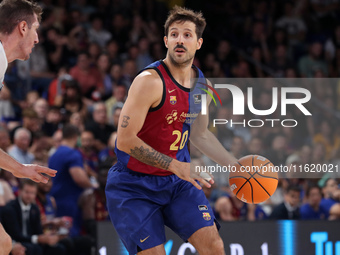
{"x":3,"y":64}
{"x":167,"y":126}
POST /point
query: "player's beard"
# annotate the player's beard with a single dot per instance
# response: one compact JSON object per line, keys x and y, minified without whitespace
{"x":183,"y":62}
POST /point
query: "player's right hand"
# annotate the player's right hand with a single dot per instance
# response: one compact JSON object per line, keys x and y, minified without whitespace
{"x":187,"y":172}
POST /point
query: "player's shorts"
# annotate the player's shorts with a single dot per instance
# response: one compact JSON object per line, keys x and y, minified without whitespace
{"x":141,"y":204}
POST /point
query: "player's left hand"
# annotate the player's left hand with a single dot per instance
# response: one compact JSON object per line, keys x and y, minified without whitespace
{"x":187,"y":172}
{"x":34,"y":172}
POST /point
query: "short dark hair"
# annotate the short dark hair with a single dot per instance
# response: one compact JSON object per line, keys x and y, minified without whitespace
{"x":294,"y":188}
{"x":12,"y":12}
{"x":70,"y":131}
{"x":183,"y":14}
{"x":24,"y":182}
{"x":310,"y":187}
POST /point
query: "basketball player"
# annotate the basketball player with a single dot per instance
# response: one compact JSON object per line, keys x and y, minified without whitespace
{"x":152,"y":184}
{"x":19,"y":21}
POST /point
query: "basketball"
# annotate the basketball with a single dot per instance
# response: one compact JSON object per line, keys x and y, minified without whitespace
{"x":253,"y":179}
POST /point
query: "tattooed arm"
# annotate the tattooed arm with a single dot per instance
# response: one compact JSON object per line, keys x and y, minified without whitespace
{"x":146,"y":92}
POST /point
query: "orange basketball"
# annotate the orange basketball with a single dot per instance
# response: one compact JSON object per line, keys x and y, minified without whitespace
{"x":253,"y":179}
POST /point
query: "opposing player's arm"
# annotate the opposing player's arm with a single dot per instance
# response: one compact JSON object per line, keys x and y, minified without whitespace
{"x":145,"y":93}
{"x":207,"y":143}
{"x":33,"y":172}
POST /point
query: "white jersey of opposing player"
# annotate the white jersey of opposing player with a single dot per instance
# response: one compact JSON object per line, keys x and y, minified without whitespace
{"x":3,"y":64}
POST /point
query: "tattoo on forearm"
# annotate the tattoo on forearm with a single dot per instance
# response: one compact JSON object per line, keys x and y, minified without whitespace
{"x":125,"y":122}
{"x":151,"y":157}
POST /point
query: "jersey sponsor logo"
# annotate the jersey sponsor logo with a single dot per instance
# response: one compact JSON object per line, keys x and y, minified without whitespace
{"x":187,"y":117}
{"x":171,"y":117}
{"x":197,"y":98}
{"x":143,"y":240}
{"x":170,"y":91}
{"x":206,"y":216}
{"x":173,"y":100}
{"x":203,"y":208}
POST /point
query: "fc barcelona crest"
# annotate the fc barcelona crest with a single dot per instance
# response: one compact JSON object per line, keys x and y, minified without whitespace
{"x":173,"y":100}
{"x":206,"y":216}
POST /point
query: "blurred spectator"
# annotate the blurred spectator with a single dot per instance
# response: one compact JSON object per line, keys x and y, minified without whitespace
{"x":294,"y":25}
{"x":289,"y":209}
{"x":103,"y":64}
{"x":88,"y":77}
{"x":117,"y":109}
{"x":129,"y":72}
{"x":112,"y":49}
{"x":116,"y":74}
{"x":108,"y":153}
{"x":57,"y":48}
{"x":225,"y":56}
{"x":144,"y":58}
{"x":72,"y":100}
{"x":119,"y":30}
{"x":18,"y":249}
{"x":5,"y":141}
{"x":59,"y":226}
{"x":89,"y":153}
{"x":40,"y":148}
{"x":96,"y":201}
{"x":241,"y":70}
{"x":118,"y":95}
{"x":277,"y":152}
{"x":76,"y":119}
{"x":30,"y":121}
{"x":21,"y":220}
{"x":318,"y":154}
{"x":71,"y":179}
{"x":313,"y":62}
{"x":6,"y":106}
{"x":52,"y":121}
{"x":324,"y":12}
{"x":331,"y":198}
{"x":239,"y":129}
{"x":223,"y":133}
{"x":94,"y":51}
{"x":97,"y":33}
{"x":56,"y":141}
{"x":328,"y":138}
{"x":100,"y":209}
{"x":332,"y":44}
{"x":41,"y":108}
{"x":99,"y":126}
{"x":20,"y":149}
{"x":11,"y":180}
{"x":57,"y":87}
{"x":36,"y":70}
{"x":255,"y":146}
{"x":280,"y":61}
{"x":237,"y":147}
{"x":6,"y":193}
{"x":313,"y":210}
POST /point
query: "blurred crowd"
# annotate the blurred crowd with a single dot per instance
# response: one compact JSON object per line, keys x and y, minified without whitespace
{"x":61,"y":107}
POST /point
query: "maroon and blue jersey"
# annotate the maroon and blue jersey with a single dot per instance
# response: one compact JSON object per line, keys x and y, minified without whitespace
{"x":167,"y":126}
